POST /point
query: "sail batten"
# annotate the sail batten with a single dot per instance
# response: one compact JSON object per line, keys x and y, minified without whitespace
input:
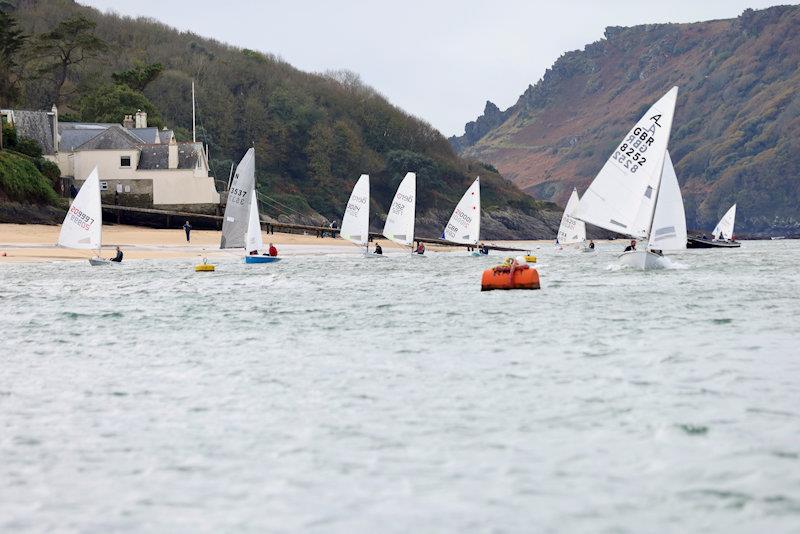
{"x":621,"y":198}
{"x":399,"y":226}
{"x":237,"y":209}
{"x":355,"y":222}
{"x":464,"y":225}
{"x":83,"y":225}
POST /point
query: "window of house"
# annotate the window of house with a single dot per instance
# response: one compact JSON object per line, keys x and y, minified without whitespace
{"x":103,"y":186}
{"x":125,"y":161}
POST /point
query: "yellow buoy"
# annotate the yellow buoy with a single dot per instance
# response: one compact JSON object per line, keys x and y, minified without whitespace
{"x":530,"y":259}
{"x":204,"y":267}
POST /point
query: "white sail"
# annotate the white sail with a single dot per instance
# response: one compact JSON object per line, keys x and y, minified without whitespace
{"x":399,"y":225}
{"x":355,"y":223}
{"x":669,"y":221}
{"x":83,"y":225}
{"x":571,"y":229}
{"x":254,"y":241}
{"x":237,"y":210}
{"x":724,"y":228}
{"x":464,"y":225}
{"x":622,"y":196}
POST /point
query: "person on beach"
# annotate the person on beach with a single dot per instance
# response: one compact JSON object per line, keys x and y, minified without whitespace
{"x":187,"y":228}
{"x":272,"y":250}
{"x":118,"y":257}
{"x":378,"y":249}
{"x":631,"y":247}
{"x":420,"y":248}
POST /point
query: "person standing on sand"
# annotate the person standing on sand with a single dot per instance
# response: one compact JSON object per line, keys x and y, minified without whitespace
{"x":187,"y":228}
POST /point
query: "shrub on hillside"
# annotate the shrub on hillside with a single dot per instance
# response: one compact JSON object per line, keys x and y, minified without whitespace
{"x":29,"y":147}
{"x":21,"y":181}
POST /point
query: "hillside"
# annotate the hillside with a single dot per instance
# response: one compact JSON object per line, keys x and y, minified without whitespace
{"x":736,"y":135}
{"x":314,"y":134}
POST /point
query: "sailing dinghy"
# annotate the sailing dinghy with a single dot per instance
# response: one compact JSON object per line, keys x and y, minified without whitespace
{"x":241,"y":227}
{"x":355,"y":222}
{"x":464,"y":226}
{"x":399,"y":226}
{"x":572,"y":231}
{"x":722,"y":234}
{"x":623,"y":197}
{"x":83,"y":225}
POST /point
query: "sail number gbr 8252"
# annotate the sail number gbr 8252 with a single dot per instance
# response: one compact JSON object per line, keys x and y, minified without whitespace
{"x":631,"y":153}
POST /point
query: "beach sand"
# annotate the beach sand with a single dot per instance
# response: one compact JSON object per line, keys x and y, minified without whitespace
{"x":34,"y":242}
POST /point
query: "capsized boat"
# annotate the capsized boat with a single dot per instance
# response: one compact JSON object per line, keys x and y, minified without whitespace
{"x":722,"y":234}
{"x":83,"y":225}
{"x":464,"y":226}
{"x":572,"y":231}
{"x":625,"y":194}
{"x":399,"y":226}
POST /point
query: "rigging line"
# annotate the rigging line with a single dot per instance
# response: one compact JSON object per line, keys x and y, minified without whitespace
{"x":278,"y":203}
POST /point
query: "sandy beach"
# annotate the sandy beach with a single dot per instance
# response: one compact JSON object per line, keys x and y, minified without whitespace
{"x":34,"y":242}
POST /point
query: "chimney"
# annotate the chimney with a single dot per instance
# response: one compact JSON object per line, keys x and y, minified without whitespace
{"x":141,"y":119}
{"x":127,"y":122}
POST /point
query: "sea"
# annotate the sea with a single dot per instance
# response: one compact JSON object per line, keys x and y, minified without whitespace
{"x":333,"y":393}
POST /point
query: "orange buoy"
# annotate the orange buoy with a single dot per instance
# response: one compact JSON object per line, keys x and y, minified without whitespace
{"x":510,"y":277}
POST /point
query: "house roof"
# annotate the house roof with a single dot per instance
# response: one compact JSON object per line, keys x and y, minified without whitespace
{"x":113,"y":138}
{"x":147,"y":135}
{"x":154,"y":157}
{"x":166,"y":135}
{"x":73,"y":138}
{"x":36,"y":125}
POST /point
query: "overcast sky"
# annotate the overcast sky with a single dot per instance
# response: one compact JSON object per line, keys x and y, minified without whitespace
{"x":440,"y":60}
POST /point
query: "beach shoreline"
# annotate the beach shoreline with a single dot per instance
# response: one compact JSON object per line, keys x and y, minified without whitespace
{"x":37,"y":243}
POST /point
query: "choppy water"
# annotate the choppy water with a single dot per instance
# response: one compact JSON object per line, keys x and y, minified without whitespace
{"x":334,"y":394}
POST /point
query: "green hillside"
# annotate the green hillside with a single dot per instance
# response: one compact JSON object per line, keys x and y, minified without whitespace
{"x":314,"y":134}
{"x":736,"y":135}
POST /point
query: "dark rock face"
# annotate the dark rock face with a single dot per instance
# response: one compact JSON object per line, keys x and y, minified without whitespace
{"x":473,"y":131}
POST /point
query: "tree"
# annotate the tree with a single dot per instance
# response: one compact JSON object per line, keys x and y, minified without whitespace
{"x":70,"y":43}
{"x":139,"y":76}
{"x":110,"y":103}
{"x":11,"y":41}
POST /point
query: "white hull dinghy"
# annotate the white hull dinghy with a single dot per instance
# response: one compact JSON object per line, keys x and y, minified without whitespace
{"x":636,"y":192}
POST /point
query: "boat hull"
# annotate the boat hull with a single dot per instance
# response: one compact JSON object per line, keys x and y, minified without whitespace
{"x":97,"y":262}
{"x":642,"y":260}
{"x":373,"y":255}
{"x":699,"y":242}
{"x":261,"y":259}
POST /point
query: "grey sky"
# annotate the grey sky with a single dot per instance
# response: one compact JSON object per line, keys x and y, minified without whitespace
{"x":440,"y":60}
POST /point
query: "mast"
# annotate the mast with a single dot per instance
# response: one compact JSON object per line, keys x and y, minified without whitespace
{"x":655,"y":201}
{"x":194,"y":134}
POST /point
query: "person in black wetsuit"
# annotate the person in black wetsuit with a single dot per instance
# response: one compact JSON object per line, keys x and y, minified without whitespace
{"x":631,"y":247}
{"x":118,"y":257}
{"x":591,"y":245}
{"x":378,"y":249}
{"x":484,"y":250}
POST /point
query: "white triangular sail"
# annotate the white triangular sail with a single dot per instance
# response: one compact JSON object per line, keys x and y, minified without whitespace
{"x":622,"y":196}
{"x":571,"y":230}
{"x":399,"y":225}
{"x":237,"y":210}
{"x":254,"y":240}
{"x":669,"y":220}
{"x":355,"y":223}
{"x":724,"y":228}
{"x":464,"y":225}
{"x":83,"y":225}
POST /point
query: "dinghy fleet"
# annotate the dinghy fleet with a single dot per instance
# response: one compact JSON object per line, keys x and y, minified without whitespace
{"x":635,"y":194}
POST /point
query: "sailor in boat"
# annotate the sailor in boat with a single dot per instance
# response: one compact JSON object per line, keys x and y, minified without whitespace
{"x":631,"y":247}
{"x":420,"y":248}
{"x":378,"y":249}
{"x":484,"y":249}
{"x":272,"y":250}
{"x":254,"y":253}
{"x":591,"y":244}
{"x":118,"y":257}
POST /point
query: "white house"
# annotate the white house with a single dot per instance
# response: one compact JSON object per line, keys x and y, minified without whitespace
{"x":138,"y":165}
